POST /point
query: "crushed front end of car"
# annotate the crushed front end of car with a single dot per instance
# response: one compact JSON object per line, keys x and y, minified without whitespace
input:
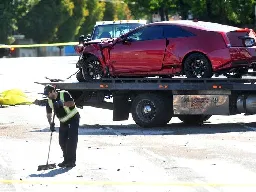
{"x":93,"y":59}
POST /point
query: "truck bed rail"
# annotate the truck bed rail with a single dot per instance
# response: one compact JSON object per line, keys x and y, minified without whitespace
{"x":159,"y":84}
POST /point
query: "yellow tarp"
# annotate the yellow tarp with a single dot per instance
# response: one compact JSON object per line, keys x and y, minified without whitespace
{"x":14,"y":97}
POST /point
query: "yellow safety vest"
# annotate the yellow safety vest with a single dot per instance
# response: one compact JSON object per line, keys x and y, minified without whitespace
{"x":70,"y":113}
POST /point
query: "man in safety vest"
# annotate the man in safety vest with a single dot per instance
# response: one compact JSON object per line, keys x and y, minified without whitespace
{"x":62,"y":103}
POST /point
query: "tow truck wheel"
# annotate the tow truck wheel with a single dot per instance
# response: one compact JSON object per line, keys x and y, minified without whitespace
{"x":197,"y":65}
{"x":92,"y":68}
{"x":151,"y":110}
{"x":194,"y":119}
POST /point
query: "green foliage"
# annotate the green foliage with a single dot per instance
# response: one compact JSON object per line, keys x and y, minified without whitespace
{"x":122,"y":11}
{"x":70,"y":28}
{"x":109,"y":13}
{"x":42,"y":22}
{"x":47,"y":21}
{"x":95,"y":13}
{"x":10,"y":10}
{"x":234,"y":12}
{"x":241,"y":12}
{"x":139,"y":9}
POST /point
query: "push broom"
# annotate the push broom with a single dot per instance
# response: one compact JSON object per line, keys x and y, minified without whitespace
{"x":48,"y":166}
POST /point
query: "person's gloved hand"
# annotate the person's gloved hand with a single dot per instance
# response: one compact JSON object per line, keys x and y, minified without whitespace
{"x":58,"y":104}
{"x":52,"y":127}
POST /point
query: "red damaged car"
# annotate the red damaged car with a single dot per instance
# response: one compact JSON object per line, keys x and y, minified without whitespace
{"x":193,"y":48}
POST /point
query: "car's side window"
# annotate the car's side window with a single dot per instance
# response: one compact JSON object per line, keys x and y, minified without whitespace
{"x":146,"y":33}
{"x":172,"y":31}
{"x":135,"y":36}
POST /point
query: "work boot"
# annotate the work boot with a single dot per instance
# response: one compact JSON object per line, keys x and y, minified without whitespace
{"x":71,"y":164}
{"x":62,"y":164}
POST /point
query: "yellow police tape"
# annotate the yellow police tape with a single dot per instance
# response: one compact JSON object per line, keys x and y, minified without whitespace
{"x":39,"y":45}
{"x":112,"y":183}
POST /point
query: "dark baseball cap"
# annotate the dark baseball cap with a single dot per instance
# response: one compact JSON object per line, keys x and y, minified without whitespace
{"x":48,"y":88}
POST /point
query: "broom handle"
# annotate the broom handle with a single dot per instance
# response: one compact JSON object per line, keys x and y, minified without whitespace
{"x":50,"y":141}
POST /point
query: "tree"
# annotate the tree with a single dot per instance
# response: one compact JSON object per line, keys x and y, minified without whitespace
{"x":241,"y":12}
{"x":95,"y":13}
{"x":109,"y":13}
{"x":70,"y":28}
{"x":234,"y":12}
{"x":10,"y":11}
{"x":122,"y":11}
{"x":42,"y":22}
{"x":163,"y":7}
{"x":140,"y":9}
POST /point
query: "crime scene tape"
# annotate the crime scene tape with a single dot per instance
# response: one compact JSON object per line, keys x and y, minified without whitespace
{"x":39,"y":45}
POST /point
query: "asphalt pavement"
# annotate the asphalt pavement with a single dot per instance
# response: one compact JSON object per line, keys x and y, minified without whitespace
{"x":218,"y":156}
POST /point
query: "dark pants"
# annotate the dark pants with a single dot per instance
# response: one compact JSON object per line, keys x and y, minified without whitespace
{"x":68,"y":138}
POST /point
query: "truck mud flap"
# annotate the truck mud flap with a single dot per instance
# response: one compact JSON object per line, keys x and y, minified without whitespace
{"x":121,"y":108}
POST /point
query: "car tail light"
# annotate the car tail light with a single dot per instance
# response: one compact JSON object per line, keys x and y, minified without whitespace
{"x":225,"y":38}
{"x":239,"y":38}
{"x":12,"y":49}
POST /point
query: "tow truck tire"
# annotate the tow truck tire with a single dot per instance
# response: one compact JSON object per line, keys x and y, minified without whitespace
{"x":151,"y":110}
{"x":194,"y":119}
{"x":79,"y":76}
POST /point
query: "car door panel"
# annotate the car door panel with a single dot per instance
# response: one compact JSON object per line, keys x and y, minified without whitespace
{"x":138,"y":56}
{"x":143,"y":51}
{"x":177,"y":39}
{"x":171,"y":54}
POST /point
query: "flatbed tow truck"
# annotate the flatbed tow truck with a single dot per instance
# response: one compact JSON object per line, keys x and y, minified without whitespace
{"x":154,"y":101}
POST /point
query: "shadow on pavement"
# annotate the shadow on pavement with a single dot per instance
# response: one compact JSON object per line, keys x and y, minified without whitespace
{"x":47,"y":129}
{"x":51,"y":173}
{"x":170,"y":129}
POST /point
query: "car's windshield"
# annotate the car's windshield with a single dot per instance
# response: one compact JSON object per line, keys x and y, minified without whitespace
{"x":113,"y":30}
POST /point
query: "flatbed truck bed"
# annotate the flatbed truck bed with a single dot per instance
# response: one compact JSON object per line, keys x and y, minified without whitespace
{"x":154,"y":101}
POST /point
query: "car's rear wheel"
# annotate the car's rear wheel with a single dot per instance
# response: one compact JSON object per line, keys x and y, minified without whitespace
{"x":92,"y":68}
{"x":197,"y":65}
